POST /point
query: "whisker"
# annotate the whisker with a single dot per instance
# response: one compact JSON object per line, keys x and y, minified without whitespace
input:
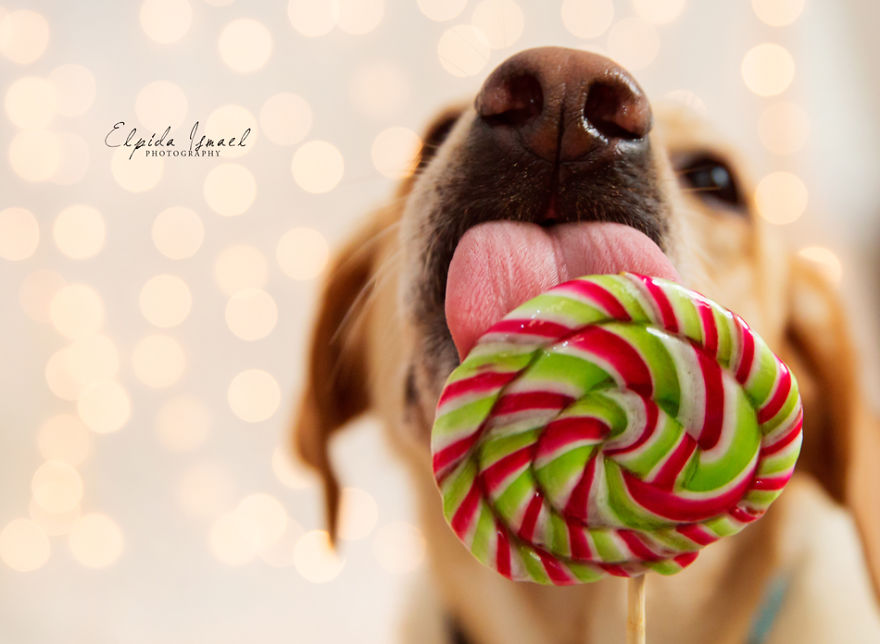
{"x":367,"y":291}
{"x":359,"y":301}
{"x":360,"y":305}
{"x":369,"y":241}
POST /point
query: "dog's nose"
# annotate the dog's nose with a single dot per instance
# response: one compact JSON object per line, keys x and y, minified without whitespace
{"x":564,"y":104}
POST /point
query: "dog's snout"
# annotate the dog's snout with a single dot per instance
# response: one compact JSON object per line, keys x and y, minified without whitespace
{"x":563,"y":104}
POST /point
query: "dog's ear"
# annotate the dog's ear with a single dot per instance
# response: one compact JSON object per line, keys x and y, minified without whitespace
{"x":335,"y":392}
{"x":841,"y":440}
{"x":335,"y":380}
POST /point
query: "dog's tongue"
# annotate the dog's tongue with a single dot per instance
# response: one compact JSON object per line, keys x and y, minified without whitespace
{"x":499,"y":265}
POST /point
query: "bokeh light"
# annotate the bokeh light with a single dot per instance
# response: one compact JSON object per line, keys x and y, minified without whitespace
{"x":240,"y":267}
{"x":280,"y":553}
{"x":395,"y":151}
{"x":784,"y":128}
{"x":72,"y":369}
{"x":74,"y":161}
{"x":178,"y":232}
{"x":138,"y":173}
{"x":92,"y":358}
{"x":104,"y":406}
{"x":255,"y":525}
{"x":767,"y":69}
{"x":358,"y":514}
{"x":285,"y":118}
{"x":24,"y":545}
{"x":251,"y":314}
{"x":183,"y":423}
{"x":315,"y":558}
{"x":500,"y":20}
{"x":79,"y":231}
{"x":588,"y":19}
{"x":359,"y":16}
{"x":659,"y":12}
{"x":59,"y":378}
{"x":379,"y":89}
{"x":77,"y":310}
{"x":778,"y":13}
{"x":158,"y":360}
{"x":96,"y":541}
{"x":159,"y":105}
{"x":65,"y":438}
{"x":31,"y":102}
{"x":399,"y":547}
{"x":463,"y":50}
{"x":57,"y":487}
{"x":35,"y":154}
{"x":317,"y":166}
{"x":205,"y":489}
{"x":24,"y":36}
{"x":263,"y":517}
{"x":165,"y":300}
{"x":75,"y":88}
{"x":826,"y":260}
{"x":302,"y":253}
{"x":165,"y":21}
{"x":312,"y":18}
{"x":53,"y":523}
{"x":781,"y":197}
{"x":633,"y":43}
{"x":229,"y":189}
{"x":441,"y":10}
{"x":289,"y":471}
{"x":253,"y":395}
{"x":36,"y":292}
{"x":19,"y":234}
{"x":230,"y":540}
{"x":245,"y":45}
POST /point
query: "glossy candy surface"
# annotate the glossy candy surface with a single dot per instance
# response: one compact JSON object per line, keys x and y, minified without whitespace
{"x":612,"y":425}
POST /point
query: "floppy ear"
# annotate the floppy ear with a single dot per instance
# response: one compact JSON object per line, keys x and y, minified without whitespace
{"x":841,"y":440}
{"x":335,"y":380}
{"x":336,"y":372}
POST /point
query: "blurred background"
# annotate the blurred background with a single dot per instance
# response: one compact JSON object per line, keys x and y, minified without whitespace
{"x":156,"y":310}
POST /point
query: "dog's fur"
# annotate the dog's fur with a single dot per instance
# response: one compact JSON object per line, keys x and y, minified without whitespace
{"x":381,"y":344}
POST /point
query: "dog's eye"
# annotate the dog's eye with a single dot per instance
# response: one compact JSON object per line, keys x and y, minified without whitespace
{"x":711,"y":178}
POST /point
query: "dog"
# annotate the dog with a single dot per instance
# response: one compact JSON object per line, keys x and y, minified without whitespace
{"x":562,"y":146}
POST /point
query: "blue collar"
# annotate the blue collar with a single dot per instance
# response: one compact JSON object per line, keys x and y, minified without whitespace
{"x":769,"y":609}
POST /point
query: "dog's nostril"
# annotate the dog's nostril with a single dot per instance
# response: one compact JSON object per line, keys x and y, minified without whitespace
{"x":513,"y":102}
{"x":563,"y":105}
{"x":617,"y":110}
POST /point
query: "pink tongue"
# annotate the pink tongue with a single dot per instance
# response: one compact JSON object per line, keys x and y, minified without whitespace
{"x":499,"y":265}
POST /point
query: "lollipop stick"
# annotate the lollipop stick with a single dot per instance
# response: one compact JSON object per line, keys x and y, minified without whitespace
{"x":635,"y":610}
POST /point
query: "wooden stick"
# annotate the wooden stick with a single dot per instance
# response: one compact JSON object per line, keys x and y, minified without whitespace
{"x":635,"y":610}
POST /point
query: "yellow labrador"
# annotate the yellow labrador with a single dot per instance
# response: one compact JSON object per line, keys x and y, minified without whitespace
{"x":561,"y":167}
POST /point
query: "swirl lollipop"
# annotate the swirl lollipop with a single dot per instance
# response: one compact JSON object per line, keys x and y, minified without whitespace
{"x":612,"y":425}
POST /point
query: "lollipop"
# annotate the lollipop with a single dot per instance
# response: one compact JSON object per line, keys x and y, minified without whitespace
{"x":612,"y":425}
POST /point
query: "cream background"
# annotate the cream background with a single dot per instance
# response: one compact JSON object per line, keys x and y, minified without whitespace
{"x":161,"y":579}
